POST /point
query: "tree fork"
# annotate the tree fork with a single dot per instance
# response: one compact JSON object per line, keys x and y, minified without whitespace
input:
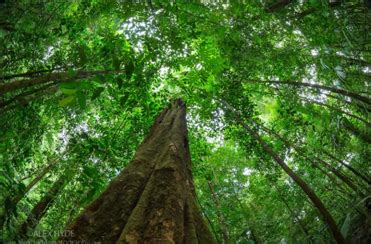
{"x":153,"y":198}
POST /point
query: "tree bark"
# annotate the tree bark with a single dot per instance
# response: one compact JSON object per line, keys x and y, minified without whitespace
{"x":40,"y":208}
{"x":153,"y":198}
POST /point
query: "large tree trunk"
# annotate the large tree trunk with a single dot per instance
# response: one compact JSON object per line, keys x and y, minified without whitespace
{"x":153,"y":198}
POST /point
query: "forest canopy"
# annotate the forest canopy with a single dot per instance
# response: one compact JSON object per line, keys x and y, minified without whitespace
{"x":277,"y":97}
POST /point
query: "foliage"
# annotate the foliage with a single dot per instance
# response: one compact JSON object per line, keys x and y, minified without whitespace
{"x":82,"y":81}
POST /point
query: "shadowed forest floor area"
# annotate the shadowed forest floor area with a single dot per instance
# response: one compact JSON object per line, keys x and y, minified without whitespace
{"x":185,"y":122}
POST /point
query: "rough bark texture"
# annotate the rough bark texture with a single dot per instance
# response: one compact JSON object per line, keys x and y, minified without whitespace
{"x":153,"y":198}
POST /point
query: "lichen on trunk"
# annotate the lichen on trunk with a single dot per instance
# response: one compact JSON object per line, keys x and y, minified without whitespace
{"x":153,"y":198}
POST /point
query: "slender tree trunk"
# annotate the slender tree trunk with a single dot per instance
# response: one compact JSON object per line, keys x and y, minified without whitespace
{"x":326,"y":215}
{"x":29,"y":96}
{"x":153,"y":198}
{"x":250,"y":221}
{"x":331,"y":168}
{"x":222,"y":223}
{"x":23,"y":98}
{"x":356,"y":132}
{"x":317,"y":86}
{"x":312,"y":10}
{"x":294,"y":216}
{"x":19,"y":196}
{"x":27,"y":74}
{"x":353,"y":170}
{"x":40,"y":209}
{"x":336,"y":109}
{"x":41,"y":175}
{"x":57,"y":77}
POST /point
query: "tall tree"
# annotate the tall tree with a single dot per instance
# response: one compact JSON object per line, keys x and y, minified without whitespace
{"x":153,"y":198}
{"x":40,"y":209}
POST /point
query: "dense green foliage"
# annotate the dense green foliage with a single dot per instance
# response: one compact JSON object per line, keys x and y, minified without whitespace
{"x":81,"y":82}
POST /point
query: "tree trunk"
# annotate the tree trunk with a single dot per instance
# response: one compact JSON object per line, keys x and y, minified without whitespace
{"x":153,"y":199}
{"x":40,"y":176}
{"x":350,"y":94}
{"x":331,"y":168}
{"x":326,"y":215}
{"x":23,"y":98}
{"x":40,"y":208}
{"x":56,"y":77}
{"x":336,"y":109}
{"x":364,"y":136}
{"x":222,"y":223}
{"x":353,"y":170}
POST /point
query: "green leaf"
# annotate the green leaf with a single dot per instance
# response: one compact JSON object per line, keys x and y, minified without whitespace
{"x":72,"y":73}
{"x":90,"y":171}
{"x":129,"y":70}
{"x":345,"y":227}
{"x":119,"y":81}
{"x":68,"y":85}
{"x":97,"y":93}
{"x":65,"y":101}
{"x":68,"y":91}
{"x":81,"y":98}
{"x":21,"y":187}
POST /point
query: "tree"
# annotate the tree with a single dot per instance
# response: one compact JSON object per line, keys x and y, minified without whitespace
{"x":40,"y":209}
{"x":95,"y":74}
{"x":153,"y":198}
